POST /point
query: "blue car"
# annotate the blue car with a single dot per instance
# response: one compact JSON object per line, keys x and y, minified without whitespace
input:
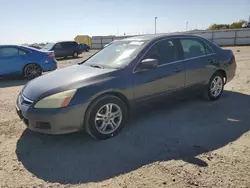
{"x":25,"y":61}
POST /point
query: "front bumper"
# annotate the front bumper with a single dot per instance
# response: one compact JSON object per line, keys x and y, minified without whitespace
{"x":52,"y":121}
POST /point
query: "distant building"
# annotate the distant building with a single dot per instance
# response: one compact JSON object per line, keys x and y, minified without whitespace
{"x":84,"y":39}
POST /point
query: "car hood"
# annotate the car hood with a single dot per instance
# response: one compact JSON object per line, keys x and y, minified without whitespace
{"x":61,"y":80}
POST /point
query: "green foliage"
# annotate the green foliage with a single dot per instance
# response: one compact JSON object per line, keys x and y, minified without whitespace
{"x":234,"y":25}
{"x":238,"y":24}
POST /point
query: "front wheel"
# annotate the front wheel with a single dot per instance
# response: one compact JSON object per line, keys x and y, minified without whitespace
{"x":105,"y":117}
{"x":32,"y":71}
{"x":215,"y":87}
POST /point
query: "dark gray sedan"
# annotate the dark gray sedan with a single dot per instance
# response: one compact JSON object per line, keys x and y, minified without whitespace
{"x":99,"y":93}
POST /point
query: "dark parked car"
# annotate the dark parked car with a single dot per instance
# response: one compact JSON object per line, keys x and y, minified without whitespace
{"x":98,"y":94}
{"x":64,"y":49}
{"x":34,"y":46}
{"x":246,"y":25}
{"x":25,"y":61}
{"x":84,"y":47}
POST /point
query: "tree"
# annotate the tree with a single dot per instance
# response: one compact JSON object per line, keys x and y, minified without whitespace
{"x":234,"y":25}
{"x":218,"y":26}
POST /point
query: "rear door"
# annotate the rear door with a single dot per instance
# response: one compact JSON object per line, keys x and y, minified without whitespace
{"x":199,"y":59}
{"x":11,"y":60}
{"x":169,"y":76}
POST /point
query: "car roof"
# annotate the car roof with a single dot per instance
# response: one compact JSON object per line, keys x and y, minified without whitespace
{"x":21,"y":46}
{"x":151,"y":37}
{"x":9,"y":45}
{"x":66,"y":41}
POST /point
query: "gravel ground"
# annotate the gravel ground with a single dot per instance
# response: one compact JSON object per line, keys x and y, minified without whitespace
{"x":190,"y":143}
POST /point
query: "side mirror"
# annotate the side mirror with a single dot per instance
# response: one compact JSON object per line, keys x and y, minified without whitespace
{"x":148,"y":64}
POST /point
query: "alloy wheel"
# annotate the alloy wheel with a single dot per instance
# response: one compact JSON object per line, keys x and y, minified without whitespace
{"x":33,"y":71}
{"x":216,"y":86}
{"x":108,"y":118}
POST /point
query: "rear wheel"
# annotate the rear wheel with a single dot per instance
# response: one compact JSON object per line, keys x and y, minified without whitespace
{"x":32,"y":71}
{"x":105,"y":117}
{"x":215,"y":87}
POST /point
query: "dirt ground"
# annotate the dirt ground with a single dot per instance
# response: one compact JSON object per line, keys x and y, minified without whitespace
{"x":191,"y":143}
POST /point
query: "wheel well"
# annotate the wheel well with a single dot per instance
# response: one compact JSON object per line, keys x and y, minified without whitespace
{"x":119,"y":95}
{"x":223,"y":73}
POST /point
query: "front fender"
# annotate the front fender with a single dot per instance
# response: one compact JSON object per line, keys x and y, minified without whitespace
{"x":94,"y":90}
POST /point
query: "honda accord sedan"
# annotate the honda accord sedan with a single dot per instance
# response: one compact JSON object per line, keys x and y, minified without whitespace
{"x":99,"y":94}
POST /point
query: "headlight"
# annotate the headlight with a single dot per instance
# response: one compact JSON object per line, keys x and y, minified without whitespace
{"x":57,"y":100}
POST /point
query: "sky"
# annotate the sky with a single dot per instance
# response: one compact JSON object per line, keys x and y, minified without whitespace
{"x":29,"y":21}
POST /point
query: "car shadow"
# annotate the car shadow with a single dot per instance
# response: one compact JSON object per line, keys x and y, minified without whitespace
{"x":11,"y":82}
{"x":68,"y":58}
{"x":181,"y":130}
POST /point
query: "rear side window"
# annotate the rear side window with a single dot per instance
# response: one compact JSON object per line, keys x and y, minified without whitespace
{"x":9,"y":51}
{"x":23,"y":52}
{"x":193,"y":48}
{"x":165,"y":51}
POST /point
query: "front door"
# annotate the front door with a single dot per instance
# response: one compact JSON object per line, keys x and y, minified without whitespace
{"x":169,"y":76}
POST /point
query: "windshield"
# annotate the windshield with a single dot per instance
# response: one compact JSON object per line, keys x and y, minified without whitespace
{"x":116,"y":55}
{"x":48,"y":46}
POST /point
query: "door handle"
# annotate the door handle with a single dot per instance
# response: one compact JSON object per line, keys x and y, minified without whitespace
{"x":177,"y":69}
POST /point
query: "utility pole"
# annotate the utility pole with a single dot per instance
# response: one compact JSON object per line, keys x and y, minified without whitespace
{"x":186,"y":26}
{"x":155,"y":24}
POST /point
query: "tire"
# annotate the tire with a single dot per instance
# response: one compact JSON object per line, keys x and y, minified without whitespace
{"x":95,"y":125}
{"x":32,"y":71}
{"x":214,"y":94}
{"x":75,"y":54}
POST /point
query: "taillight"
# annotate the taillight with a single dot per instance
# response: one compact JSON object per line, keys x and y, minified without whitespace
{"x":50,"y":56}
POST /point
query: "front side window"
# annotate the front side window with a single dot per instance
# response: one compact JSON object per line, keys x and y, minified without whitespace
{"x":116,"y":55}
{"x":58,"y":46}
{"x":192,"y":48}
{"x":164,"y":51}
{"x":8,"y":52}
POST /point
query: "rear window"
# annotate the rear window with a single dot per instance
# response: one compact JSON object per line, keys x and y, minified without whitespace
{"x":48,"y":46}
